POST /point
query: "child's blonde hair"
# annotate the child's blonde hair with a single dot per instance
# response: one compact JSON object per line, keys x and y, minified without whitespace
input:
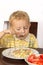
{"x":19,"y":15}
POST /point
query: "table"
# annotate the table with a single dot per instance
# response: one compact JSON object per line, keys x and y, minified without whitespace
{"x":6,"y":61}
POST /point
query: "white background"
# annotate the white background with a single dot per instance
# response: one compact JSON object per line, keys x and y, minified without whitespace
{"x":33,"y":7}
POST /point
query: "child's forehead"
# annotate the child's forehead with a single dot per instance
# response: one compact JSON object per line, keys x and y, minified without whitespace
{"x":20,"y":23}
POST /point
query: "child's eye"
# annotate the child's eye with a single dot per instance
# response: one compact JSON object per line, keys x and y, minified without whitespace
{"x":26,"y":28}
{"x":18,"y":29}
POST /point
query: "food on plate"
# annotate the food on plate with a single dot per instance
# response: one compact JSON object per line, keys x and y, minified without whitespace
{"x":35,"y":59}
{"x":19,"y":53}
{"x":22,"y":53}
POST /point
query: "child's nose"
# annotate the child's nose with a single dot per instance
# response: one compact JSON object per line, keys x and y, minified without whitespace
{"x":22,"y":31}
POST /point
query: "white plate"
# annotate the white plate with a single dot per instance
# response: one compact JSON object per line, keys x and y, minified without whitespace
{"x":8,"y":52}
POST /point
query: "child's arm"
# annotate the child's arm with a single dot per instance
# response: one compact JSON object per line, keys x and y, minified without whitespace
{"x":4,"y":32}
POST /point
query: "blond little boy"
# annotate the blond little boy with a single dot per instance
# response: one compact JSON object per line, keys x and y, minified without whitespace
{"x":18,"y":34}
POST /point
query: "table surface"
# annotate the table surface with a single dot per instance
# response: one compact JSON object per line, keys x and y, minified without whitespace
{"x":6,"y":61}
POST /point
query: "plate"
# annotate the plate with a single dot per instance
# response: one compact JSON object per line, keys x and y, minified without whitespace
{"x":18,"y":53}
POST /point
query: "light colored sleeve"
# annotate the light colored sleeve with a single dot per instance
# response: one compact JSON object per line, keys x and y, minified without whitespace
{"x":34,"y":41}
{"x":7,"y":41}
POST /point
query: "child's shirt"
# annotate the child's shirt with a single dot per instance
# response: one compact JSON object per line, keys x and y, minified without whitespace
{"x":9,"y":40}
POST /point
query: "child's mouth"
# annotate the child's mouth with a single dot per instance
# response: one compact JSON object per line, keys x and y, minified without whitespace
{"x":21,"y":37}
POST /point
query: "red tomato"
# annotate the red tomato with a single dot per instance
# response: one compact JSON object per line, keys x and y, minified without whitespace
{"x":38,"y":60}
{"x":41,"y":56}
{"x":32,"y":58}
{"x":39,"y":63}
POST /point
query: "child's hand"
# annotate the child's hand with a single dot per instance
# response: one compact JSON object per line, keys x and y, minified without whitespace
{"x":7,"y":31}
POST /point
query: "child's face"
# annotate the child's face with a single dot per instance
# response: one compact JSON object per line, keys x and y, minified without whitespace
{"x":20,"y":28}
